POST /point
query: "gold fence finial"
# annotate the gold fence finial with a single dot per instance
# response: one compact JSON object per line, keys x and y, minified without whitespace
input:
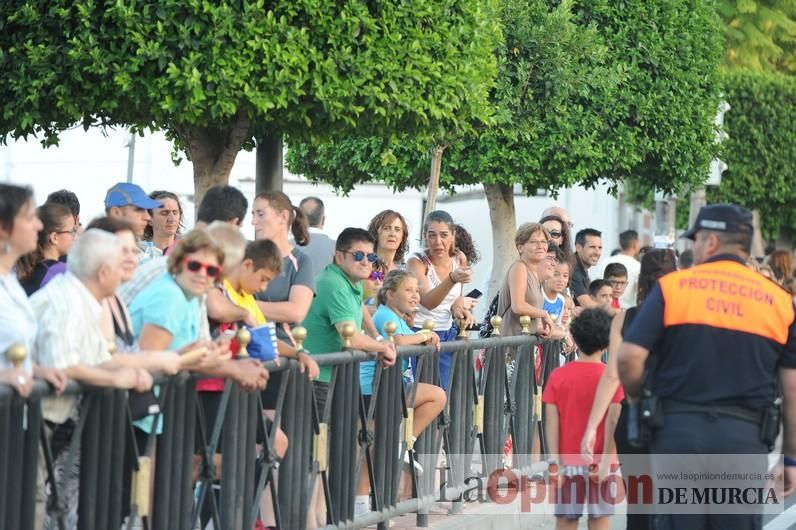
{"x":299,"y":335}
{"x":348,"y":334}
{"x":496,"y":322}
{"x":244,"y":337}
{"x":16,"y":354}
{"x":525,"y":322}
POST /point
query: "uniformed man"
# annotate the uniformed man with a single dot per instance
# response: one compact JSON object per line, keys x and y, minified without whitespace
{"x":716,"y":335}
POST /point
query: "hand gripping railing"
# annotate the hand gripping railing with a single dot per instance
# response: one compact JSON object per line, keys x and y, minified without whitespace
{"x":328,"y":444}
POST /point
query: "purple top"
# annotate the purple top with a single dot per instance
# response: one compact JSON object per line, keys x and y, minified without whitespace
{"x":52,"y":272}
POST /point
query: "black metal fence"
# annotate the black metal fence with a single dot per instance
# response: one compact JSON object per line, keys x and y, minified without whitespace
{"x":174,"y":483}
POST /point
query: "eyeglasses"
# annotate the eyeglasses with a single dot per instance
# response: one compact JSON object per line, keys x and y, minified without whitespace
{"x":537,"y":243}
{"x":555,"y":234}
{"x":213,"y":271}
{"x":376,"y":276}
{"x":358,"y":255}
{"x":72,"y":232}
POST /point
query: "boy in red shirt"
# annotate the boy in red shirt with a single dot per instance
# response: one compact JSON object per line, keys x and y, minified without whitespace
{"x":568,"y":399}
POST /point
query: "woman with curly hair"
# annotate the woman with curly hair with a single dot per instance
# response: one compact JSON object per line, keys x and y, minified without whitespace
{"x":466,"y":245}
{"x":781,"y":262}
{"x":391,"y":233}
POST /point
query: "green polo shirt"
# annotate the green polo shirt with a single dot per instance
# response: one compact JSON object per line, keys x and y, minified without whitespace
{"x":336,"y":300}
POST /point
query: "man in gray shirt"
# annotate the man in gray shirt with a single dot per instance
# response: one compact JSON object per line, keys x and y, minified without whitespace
{"x":320,"y":249}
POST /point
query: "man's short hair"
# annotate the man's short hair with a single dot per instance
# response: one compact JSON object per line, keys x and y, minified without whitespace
{"x":627,"y":239}
{"x":93,"y":249}
{"x":264,"y":255}
{"x":733,"y":239}
{"x":580,"y":237}
{"x":615,"y":270}
{"x":67,"y":198}
{"x":222,"y":203}
{"x":596,"y":285}
{"x":314,"y":210}
{"x":110,"y":224}
{"x":231,"y":240}
{"x":352,"y":235}
{"x":591,"y":330}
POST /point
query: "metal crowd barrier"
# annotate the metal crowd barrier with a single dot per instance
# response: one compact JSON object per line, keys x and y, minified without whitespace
{"x":327,"y":446}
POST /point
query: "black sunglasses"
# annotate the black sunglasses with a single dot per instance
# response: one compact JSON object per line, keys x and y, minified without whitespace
{"x":555,"y":233}
{"x":358,"y":255}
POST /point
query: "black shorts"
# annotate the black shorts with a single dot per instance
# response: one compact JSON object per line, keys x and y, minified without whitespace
{"x":271,"y":392}
{"x":210,"y":403}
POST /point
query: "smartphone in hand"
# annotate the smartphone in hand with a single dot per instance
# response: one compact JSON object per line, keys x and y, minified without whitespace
{"x":475,"y":293}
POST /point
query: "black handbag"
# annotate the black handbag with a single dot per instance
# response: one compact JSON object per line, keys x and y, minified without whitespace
{"x":142,"y":404}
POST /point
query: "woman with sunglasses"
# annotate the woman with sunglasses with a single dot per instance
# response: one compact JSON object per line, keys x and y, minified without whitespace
{"x":391,"y":233}
{"x":165,"y":314}
{"x":371,"y":286}
{"x":560,"y":233}
{"x":54,"y":242}
{"x":441,"y":272}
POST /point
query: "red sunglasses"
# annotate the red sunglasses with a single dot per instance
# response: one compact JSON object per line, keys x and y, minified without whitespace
{"x":213,"y":271}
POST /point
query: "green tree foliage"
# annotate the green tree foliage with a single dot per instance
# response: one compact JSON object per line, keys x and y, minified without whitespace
{"x":216,"y":74}
{"x":586,"y":91}
{"x":760,"y":34}
{"x":761,"y":151}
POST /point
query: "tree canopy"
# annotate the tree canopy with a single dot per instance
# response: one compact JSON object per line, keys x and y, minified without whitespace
{"x":215,"y":75}
{"x":586,"y":91}
{"x":760,"y":151}
{"x":760,"y":34}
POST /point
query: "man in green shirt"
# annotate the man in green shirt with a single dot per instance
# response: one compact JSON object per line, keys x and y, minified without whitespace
{"x":338,"y":301}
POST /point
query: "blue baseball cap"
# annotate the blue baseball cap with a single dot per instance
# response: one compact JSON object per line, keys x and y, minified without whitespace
{"x":722,"y":218}
{"x":125,"y":194}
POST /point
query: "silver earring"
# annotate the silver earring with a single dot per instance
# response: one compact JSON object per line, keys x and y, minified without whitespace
{"x":7,"y":247}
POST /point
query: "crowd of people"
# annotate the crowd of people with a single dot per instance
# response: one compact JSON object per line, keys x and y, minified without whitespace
{"x":133,"y":295}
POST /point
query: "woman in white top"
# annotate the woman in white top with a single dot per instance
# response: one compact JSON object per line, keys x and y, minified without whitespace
{"x":19,"y":230}
{"x":441,"y":272}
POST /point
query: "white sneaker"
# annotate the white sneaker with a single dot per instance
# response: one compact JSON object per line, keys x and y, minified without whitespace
{"x":361,"y":508}
{"x":414,"y":462}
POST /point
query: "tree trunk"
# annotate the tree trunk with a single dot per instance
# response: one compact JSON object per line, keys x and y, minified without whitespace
{"x":433,"y":180}
{"x":698,"y":200}
{"x":212,"y":152}
{"x":758,"y":247}
{"x":270,"y":166}
{"x":500,"y":198}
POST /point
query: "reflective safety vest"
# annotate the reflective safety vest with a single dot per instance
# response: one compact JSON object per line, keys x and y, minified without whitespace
{"x":725,"y":331}
{"x":727,"y":295}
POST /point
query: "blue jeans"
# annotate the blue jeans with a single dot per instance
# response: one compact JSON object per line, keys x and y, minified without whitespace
{"x":445,"y":358}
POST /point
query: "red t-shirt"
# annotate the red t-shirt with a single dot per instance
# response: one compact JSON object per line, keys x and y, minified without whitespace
{"x":216,"y":384}
{"x":571,"y":389}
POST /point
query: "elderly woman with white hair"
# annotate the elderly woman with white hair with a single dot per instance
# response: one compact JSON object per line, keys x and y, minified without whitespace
{"x":70,"y":337}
